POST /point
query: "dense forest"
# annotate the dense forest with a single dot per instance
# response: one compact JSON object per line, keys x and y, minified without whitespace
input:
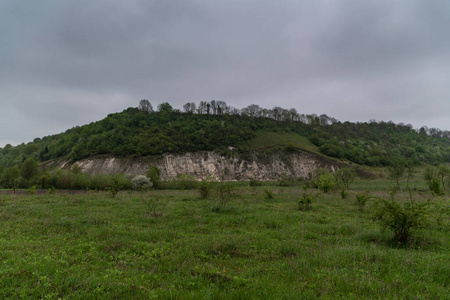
{"x":213,"y":125}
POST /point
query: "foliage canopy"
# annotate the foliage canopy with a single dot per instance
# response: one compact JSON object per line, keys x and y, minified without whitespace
{"x":214,"y":125}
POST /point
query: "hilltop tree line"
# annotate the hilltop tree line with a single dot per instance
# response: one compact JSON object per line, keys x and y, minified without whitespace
{"x":213,"y":125}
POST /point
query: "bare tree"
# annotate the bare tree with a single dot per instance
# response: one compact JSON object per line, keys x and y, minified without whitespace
{"x":202,"y":107}
{"x":293,"y":115}
{"x":189,"y":107}
{"x":145,"y":106}
{"x":221,"y":107}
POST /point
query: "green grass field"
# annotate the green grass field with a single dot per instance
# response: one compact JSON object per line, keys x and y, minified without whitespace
{"x":171,"y":244}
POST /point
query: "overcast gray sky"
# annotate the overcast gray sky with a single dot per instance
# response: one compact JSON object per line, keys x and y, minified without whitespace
{"x":66,"y":63}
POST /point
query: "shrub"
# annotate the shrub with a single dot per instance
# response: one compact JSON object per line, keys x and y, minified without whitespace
{"x":344,"y":177}
{"x":290,"y":148}
{"x":443,"y":173}
{"x":44,"y":180}
{"x":400,"y":219}
{"x":326,"y":182}
{"x":431,"y":176}
{"x":284,"y":180}
{"x":305,"y":202}
{"x":80,"y":181}
{"x":141,"y":182}
{"x":99,"y":182}
{"x":361,"y":199}
{"x":32,"y":190}
{"x":441,"y":212}
{"x":269,"y":193}
{"x":186,"y":182}
{"x":225,"y":193}
{"x":435,"y":187}
{"x":52,"y":190}
{"x":315,"y":176}
{"x":344,"y":193}
{"x":155,"y":177}
{"x":114,"y":187}
{"x":124,"y":181}
{"x":254,"y":182}
{"x":205,"y":189}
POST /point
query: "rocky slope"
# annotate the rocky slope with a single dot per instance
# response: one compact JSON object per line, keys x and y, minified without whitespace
{"x":258,"y":165}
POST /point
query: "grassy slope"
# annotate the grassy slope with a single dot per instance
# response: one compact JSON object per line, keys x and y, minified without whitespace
{"x":171,"y":244}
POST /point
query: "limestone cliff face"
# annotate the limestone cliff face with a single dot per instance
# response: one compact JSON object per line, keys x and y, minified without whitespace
{"x":259,"y":165}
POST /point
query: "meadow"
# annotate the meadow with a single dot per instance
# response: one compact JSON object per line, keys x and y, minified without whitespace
{"x":171,"y":244}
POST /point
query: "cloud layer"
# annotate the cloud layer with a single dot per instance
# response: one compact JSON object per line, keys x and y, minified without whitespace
{"x":68,"y":63}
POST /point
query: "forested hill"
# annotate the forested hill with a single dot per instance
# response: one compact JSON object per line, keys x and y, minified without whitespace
{"x":215,"y":126}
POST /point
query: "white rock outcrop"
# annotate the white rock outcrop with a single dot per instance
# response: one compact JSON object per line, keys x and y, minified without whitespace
{"x":259,"y":166}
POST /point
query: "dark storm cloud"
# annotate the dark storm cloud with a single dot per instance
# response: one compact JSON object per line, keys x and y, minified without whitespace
{"x":67,"y":63}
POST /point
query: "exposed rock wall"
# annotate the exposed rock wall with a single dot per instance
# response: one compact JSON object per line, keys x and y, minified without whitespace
{"x":259,"y":166}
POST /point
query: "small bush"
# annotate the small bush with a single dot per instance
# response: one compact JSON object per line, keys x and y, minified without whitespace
{"x":141,"y":182}
{"x":441,"y":212}
{"x":52,"y":190}
{"x":326,"y":182}
{"x":432,"y":177}
{"x":32,"y":190}
{"x":225,"y":193}
{"x":361,"y":200}
{"x":435,"y":187}
{"x":400,"y":219}
{"x":290,"y":148}
{"x":155,"y":177}
{"x":284,"y":181}
{"x":205,"y":189}
{"x":269,"y":193}
{"x":305,"y":202}
{"x":315,"y":176}
{"x":344,"y":193}
{"x":186,"y":182}
{"x":344,"y":177}
{"x":254,"y":182}
{"x":114,"y":187}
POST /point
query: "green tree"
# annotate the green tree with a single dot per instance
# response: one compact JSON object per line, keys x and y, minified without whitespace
{"x":44,"y":179}
{"x":11,"y":178}
{"x":165,"y":108}
{"x":114,"y":186}
{"x":315,"y":176}
{"x":155,"y":177}
{"x":29,"y":169}
{"x":344,"y":177}
{"x":326,"y":182}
